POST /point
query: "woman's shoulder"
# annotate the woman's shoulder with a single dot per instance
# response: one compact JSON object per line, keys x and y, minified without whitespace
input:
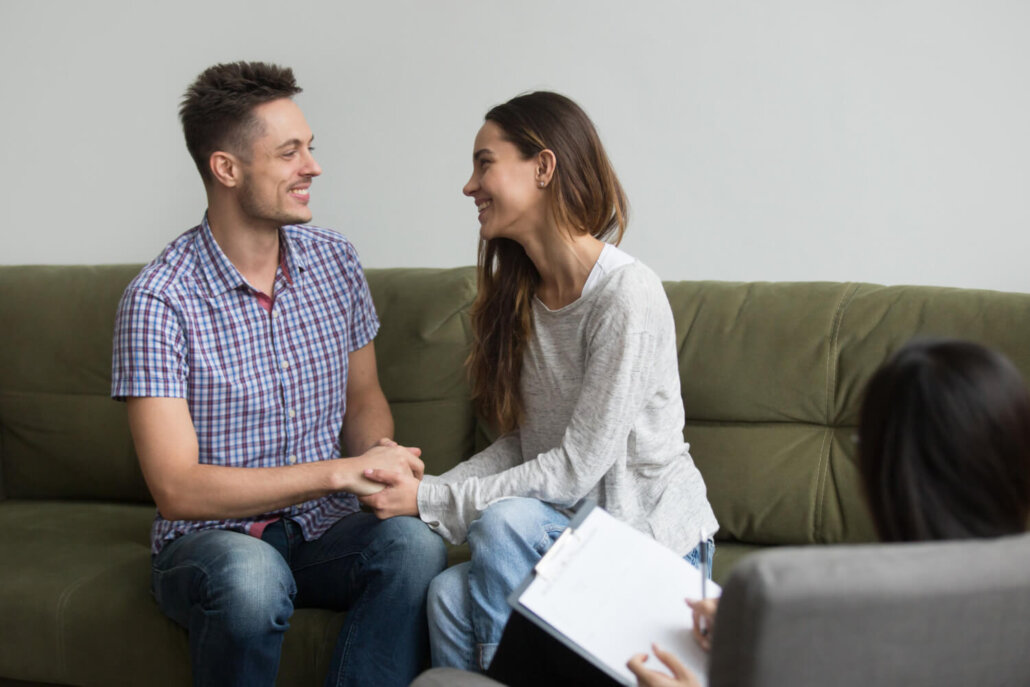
{"x":632,"y":280}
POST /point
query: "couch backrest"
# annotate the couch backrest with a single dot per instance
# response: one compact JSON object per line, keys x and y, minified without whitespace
{"x":940,"y":613}
{"x":772,"y":377}
{"x":771,"y":374}
{"x":61,"y":436}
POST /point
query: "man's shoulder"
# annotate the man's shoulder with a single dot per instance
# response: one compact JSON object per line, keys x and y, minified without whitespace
{"x":327,"y":253}
{"x":172,"y":270}
{"x":317,"y":238}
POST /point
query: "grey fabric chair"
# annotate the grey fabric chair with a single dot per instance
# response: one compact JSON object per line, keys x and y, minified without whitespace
{"x":934,"y":614}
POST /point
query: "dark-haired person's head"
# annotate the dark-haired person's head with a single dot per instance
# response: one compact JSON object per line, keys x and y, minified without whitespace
{"x":585,"y":192}
{"x":537,"y":146}
{"x":944,"y":443}
{"x":217,"y":110}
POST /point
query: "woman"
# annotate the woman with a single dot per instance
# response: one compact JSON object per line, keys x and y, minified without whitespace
{"x":573,"y":361}
{"x":944,"y":452}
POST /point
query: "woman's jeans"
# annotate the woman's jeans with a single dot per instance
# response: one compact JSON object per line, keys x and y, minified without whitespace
{"x":468,"y":603}
{"x":235,"y":593}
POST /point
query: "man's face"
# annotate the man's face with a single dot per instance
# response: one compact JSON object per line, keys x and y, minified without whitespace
{"x":275,"y":182}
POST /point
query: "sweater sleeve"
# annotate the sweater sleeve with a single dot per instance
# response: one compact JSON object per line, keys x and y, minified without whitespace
{"x":497,"y":457}
{"x":621,"y":352}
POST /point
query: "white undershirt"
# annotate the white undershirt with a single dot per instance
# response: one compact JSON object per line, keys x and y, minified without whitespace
{"x":610,"y":259}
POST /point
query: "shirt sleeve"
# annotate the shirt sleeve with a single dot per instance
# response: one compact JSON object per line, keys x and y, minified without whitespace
{"x":609,"y":402}
{"x":364,"y":323}
{"x":149,"y":354}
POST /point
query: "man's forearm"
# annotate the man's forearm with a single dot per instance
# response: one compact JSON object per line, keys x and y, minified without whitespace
{"x":365,"y":424}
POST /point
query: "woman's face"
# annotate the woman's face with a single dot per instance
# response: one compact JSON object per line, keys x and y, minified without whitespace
{"x":504,"y":187}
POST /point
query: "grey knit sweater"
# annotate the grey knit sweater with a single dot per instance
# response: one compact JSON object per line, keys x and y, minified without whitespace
{"x":603,"y":419}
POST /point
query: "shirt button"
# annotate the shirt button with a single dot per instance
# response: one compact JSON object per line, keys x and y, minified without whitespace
{"x":275,"y":314}
{"x":286,"y":364}
{"x":292,"y":459}
{"x":293,"y":413}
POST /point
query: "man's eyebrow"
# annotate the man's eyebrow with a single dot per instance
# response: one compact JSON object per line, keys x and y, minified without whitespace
{"x":294,"y":142}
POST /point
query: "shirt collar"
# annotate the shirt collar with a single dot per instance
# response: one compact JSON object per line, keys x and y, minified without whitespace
{"x":222,"y":275}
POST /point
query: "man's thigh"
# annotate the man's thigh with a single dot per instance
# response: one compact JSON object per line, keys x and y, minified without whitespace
{"x":332,"y":570}
{"x":202,"y":567}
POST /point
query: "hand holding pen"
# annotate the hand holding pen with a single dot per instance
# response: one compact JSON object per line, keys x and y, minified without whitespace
{"x":704,"y":609}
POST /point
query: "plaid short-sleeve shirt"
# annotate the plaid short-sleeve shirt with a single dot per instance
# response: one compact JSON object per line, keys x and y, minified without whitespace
{"x":264,"y":388}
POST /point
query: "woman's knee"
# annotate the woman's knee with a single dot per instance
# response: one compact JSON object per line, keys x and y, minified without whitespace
{"x":516,"y":521}
{"x":447,"y":598}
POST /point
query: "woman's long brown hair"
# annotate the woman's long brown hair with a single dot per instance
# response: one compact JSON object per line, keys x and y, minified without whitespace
{"x":586,"y":197}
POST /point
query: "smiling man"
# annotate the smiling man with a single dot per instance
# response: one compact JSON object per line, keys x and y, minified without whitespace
{"x":245,"y":354}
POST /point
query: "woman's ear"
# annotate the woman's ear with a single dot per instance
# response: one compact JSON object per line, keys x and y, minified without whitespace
{"x":545,"y":166}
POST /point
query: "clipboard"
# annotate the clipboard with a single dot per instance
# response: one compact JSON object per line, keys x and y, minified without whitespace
{"x":606,"y":591}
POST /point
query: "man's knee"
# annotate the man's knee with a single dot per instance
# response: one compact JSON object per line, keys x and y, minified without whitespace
{"x":409,"y":544}
{"x":252,"y":585}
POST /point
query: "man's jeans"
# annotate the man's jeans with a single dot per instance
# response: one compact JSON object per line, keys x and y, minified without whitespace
{"x":468,"y":603}
{"x":235,"y":593}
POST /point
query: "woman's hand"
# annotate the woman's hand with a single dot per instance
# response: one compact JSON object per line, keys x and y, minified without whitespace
{"x":418,"y":468}
{"x":682,"y":677}
{"x":704,"y":620}
{"x":398,"y":497}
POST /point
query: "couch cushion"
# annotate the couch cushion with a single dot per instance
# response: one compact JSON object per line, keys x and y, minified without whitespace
{"x":421,"y":350}
{"x":772,"y":378}
{"x":60,"y":434}
{"x":75,"y":589}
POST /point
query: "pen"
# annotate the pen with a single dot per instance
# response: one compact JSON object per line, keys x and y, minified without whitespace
{"x":702,"y":624}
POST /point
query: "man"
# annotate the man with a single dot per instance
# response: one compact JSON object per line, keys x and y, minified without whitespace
{"x":245,"y":354}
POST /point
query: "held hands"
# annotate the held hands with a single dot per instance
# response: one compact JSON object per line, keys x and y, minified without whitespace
{"x":397,"y":490}
{"x":385,"y":455}
{"x":682,"y":677}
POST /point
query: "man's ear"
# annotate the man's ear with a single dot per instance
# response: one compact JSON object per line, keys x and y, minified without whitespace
{"x":545,"y":166}
{"x":225,"y":168}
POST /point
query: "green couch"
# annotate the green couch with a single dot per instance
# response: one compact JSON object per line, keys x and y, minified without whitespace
{"x":772,"y":375}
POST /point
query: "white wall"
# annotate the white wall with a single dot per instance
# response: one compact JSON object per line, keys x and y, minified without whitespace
{"x":796,"y":140}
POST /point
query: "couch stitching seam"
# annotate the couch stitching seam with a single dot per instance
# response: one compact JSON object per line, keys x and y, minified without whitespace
{"x":831,"y":383}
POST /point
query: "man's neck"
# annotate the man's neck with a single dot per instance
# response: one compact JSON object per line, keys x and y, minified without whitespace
{"x":252,"y":249}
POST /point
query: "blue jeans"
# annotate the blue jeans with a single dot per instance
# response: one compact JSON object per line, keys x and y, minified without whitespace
{"x":468,"y":605}
{"x":235,"y":594}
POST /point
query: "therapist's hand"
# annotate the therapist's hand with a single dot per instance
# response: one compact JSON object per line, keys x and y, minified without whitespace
{"x":682,"y":677}
{"x":704,"y":620}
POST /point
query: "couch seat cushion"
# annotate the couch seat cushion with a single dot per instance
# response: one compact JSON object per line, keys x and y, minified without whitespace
{"x":75,"y":589}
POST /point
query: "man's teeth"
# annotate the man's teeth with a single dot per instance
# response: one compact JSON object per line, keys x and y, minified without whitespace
{"x":482,"y":206}
{"x":300,"y":191}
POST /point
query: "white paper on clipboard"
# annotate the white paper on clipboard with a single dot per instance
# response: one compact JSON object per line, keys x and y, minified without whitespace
{"x":609,"y":591}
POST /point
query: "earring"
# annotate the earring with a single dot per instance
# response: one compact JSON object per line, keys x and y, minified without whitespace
{"x":541,"y":184}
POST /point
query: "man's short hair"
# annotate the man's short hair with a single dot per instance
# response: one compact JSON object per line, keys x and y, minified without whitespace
{"x":217,"y":110}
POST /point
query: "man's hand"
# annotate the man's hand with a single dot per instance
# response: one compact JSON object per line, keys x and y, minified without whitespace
{"x":399,"y":495}
{"x":682,"y":677}
{"x":386,"y":456}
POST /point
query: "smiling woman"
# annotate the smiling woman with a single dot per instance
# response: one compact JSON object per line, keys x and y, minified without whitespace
{"x":573,"y":360}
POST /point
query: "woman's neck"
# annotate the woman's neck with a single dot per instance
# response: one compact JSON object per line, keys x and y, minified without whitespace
{"x":564,"y":261}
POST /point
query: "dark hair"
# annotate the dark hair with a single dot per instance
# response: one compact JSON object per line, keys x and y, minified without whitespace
{"x":217,"y":110}
{"x":585,"y":197}
{"x":944,"y":443}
